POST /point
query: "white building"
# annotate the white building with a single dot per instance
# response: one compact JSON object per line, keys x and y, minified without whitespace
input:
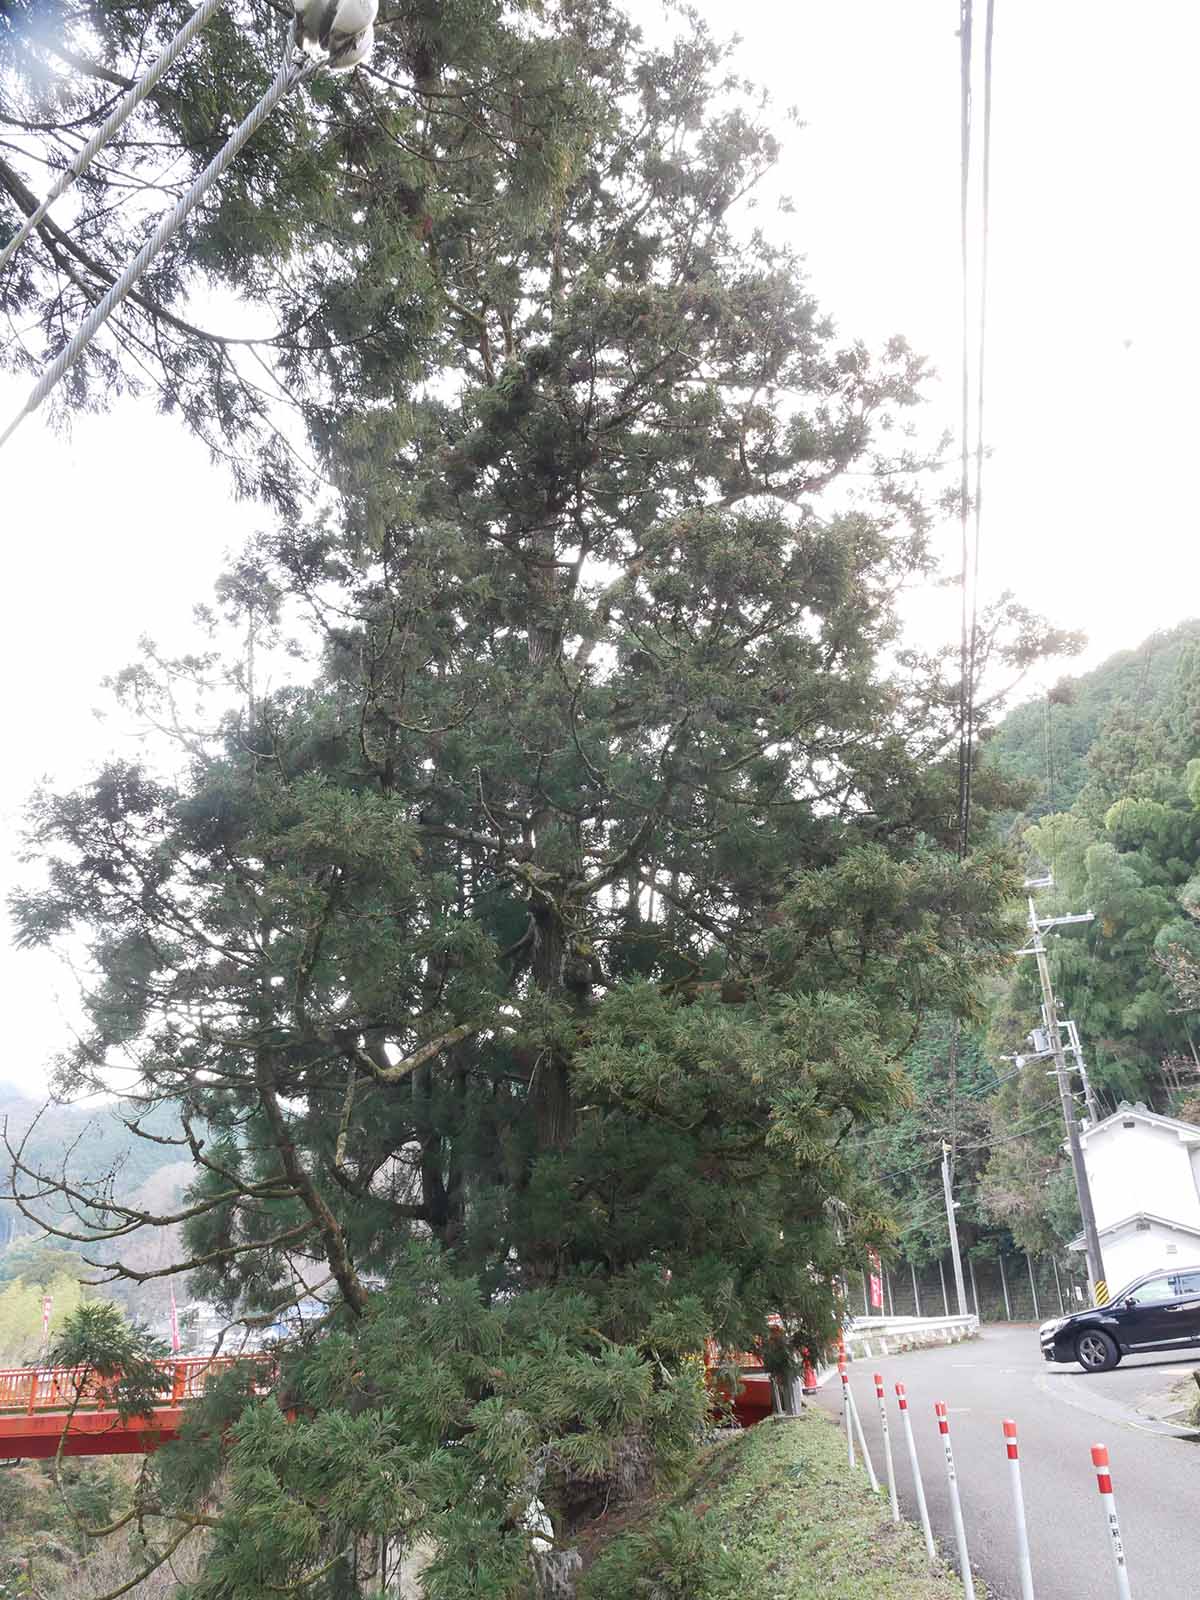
{"x":202,"y":1328}
{"x":1144,"y":1171}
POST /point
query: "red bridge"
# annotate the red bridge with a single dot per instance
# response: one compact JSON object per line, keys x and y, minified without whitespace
{"x":37,"y":1404}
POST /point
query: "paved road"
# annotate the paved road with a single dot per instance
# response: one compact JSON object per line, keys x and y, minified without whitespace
{"x":1060,"y":1412}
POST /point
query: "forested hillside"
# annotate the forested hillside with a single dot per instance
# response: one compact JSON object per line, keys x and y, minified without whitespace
{"x":93,"y":1139}
{"x":93,"y":1145}
{"x":1111,"y":765}
{"x":1121,"y":834}
{"x":1052,"y":742}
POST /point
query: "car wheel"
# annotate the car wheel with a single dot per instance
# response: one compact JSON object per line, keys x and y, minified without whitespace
{"x":1095,"y":1351}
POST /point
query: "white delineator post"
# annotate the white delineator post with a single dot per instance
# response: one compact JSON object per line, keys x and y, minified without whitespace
{"x":847,"y":1411}
{"x":1104,"y":1484}
{"x":862,"y":1443}
{"x":918,"y":1485}
{"x":1024,"y":1565}
{"x":960,"y":1532}
{"x":889,"y":1464}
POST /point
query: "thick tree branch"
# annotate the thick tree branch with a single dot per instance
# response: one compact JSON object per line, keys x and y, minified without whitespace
{"x":327,"y":1224}
{"x":419,"y":1058}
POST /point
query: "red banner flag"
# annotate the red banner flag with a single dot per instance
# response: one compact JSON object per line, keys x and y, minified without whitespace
{"x":876,"y":1282}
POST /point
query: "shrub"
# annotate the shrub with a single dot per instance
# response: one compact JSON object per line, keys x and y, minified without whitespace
{"x":682,"y":1556}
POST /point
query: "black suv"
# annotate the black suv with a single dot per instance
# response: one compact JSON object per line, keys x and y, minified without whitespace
{"x":1158,"y":1312}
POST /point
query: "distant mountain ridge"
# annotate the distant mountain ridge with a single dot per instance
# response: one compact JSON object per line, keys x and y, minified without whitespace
{"x":93,"y":1139}
{"x":1046,"y":741}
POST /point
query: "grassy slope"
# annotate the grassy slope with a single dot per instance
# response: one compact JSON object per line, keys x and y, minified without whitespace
{"x":795,"y":1523}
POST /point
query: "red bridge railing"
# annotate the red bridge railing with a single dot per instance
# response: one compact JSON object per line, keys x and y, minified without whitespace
{"x":44,"y":1410}
{"x":26,"y":1390}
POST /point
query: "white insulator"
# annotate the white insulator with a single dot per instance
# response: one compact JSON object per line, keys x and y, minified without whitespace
{"x":350,"y":18}
{"x":355,"y":53}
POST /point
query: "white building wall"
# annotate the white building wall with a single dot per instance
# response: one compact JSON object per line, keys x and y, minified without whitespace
{"x":1143,"y":1168}
{"x":1130,"y":1253}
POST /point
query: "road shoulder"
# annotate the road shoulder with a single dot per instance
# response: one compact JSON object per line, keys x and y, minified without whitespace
{"x":1152,"y":1413}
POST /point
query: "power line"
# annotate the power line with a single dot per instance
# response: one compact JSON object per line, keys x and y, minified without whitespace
{"x":1021,"y":1133}
{"x":970,"y":1149}
{"x":965,"y":19}
{"x":969,"y":636}
{"x":1125,"y":795}
{"x":969,"y":576}
{"x":932,"y":1206}
{"x":289,"y":75}
{"x":985,"y":201}
{"x":342,"y":55}
{"x":1001,"y":1078}
{"x":123,"y":110}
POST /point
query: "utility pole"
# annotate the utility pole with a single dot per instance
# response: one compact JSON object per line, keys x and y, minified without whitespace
{"x":1037,"y":949}
{"x":952,"y":1227}
{"x":1076,"y":1047}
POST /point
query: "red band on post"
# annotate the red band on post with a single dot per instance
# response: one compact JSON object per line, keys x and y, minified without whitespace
{"x":1010,"y":1438}
{"x":879,"y":1384}
{"x":902,"y":1397}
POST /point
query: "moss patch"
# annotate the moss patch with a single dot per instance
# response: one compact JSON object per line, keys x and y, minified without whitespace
{"x":773,"y":1515}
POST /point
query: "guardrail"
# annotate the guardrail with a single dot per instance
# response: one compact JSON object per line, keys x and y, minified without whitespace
{"x":867,"y":1337}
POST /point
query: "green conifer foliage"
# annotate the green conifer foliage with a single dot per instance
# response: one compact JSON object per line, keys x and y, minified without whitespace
{"x":519,"y":970}
{"x":342,"y":229}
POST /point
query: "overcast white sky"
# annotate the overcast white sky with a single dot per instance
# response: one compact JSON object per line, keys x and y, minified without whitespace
{"x":1094,"y":347}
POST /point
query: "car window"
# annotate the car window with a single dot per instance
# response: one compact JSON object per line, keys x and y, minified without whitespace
{"x":1153,"y":1289}
{"x":1187,"y":1283}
